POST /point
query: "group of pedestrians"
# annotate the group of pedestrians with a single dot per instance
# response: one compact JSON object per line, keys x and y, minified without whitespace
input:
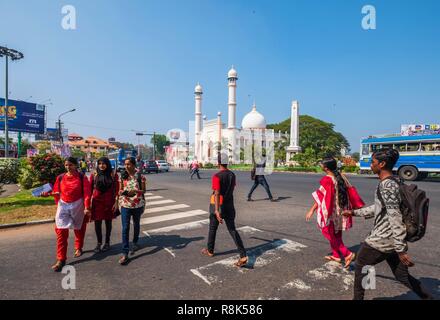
{"x":100,"y":197}
{"x":388,"y":239}
{"x":104,"y":196}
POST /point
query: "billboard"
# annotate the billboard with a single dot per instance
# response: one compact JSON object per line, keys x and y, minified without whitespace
{"x":51,"y":134}
{"x":419,"y":129}
{"x":23,"y":116}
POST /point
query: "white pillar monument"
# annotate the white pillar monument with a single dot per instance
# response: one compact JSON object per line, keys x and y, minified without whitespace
{"x":198,"y":92}
{"x":294,"y":147}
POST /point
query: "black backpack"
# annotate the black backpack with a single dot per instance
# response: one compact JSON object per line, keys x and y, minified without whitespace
{"x":414,"y":207}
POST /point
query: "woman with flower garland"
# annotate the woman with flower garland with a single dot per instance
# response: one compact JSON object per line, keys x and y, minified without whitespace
{"x":132,"y":203}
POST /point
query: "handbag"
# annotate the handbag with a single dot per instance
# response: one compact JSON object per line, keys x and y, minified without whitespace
{"x":354,"y":198}
{"x":117,"y":212}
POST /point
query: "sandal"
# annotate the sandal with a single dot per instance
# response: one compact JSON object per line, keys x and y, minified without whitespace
{"x":58,"y":266}
{"x":123,"y":260}
{"x":78,"y":253}
{"x":106,"y":247}
{"x":206,"y":252}
{"x":241,"y":262}
{"x":349,"y":259}
{"x":332,"y":258}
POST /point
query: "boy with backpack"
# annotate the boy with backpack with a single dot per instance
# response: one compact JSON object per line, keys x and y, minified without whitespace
{"x":399,"y":218}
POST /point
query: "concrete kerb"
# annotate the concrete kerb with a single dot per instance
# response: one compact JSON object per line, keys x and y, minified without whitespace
{"x":23,"y":224}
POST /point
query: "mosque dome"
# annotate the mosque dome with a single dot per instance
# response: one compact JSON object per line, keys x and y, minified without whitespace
{"x":232,"y":73}
{"x":198,"y":88}
{"x":254,"y":120}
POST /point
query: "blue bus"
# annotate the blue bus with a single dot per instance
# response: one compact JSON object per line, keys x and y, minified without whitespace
{"x":117,"y":158}
{"x":419,"y":155}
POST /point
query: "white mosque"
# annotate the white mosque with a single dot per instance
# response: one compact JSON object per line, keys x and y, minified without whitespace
{"x":234,"y":140}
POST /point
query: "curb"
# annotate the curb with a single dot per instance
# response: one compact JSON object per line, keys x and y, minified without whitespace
{"x":22,"y":224}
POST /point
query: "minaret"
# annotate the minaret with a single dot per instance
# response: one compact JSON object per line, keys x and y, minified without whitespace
{"x":294,"y":147}
{"x":198,"y":92}
{"x":232,"y":100}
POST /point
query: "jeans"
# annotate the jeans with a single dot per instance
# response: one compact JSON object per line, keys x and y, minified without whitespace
{"x":229,"y":218}
{"x":368,"y":256}
{"x":195,"y":172}
{"x":126,"y":214}
{"x":260,"y":180}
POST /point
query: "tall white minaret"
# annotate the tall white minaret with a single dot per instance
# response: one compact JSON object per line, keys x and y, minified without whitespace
{"x":232,"y":99}
{"x":198,"y":92}
{"x":294,"y":147}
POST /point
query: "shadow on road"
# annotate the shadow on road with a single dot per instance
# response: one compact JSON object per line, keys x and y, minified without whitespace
{"x":430,"y":284}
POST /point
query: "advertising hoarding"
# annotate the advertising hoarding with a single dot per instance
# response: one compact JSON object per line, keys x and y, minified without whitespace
{"x":23,"y":116}
{"x":419,"y":129}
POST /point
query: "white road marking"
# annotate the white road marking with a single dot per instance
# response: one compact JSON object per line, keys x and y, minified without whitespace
{"x":172,"y":216}
{"x":297,"y":284}
{"x":247,"y":229}
{"x":258,"y":258}
{"x":166,"y":208}
{"x":334,"y":270}
{"x":201,"y":276}
{"x":166,"y":249}
{"x":148,"y":194}
{"x":156,"y":203}
{"x":153,"y":198}
{"x":180,"y":227}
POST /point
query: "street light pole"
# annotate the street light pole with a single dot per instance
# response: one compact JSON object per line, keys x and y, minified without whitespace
{"x":59,"y":124}
{"x":14,"y":55}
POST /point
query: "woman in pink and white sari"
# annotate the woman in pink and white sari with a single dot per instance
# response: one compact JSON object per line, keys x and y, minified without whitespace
{"x":331,"y":199}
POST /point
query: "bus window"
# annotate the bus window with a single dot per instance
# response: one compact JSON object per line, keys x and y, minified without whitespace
{"x":375,"y":147}
{"x":401,"y":147}
{"x":387,"y":146}
{"x":365,"y":149}
{"x":411,"y":147}
{"x":429,"y":146}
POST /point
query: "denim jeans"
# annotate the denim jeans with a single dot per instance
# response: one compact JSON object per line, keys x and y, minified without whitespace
{"x":260,"y":180}
{"x":195,"y":172}
{"x":126,"y":214}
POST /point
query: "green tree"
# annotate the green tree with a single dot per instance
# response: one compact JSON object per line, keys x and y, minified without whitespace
{"x":316,"y":135}
{"x":160,"y":141}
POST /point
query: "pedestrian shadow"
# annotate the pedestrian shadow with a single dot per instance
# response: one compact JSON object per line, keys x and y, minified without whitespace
{"x":154,"y":190}
{"x":282,"y":198}
{"x":157,"y":242}
{"x":431,"y":285}
{"x":161,"y":242}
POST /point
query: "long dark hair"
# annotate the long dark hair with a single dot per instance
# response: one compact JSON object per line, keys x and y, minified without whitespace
{"x":341,"y":188}
{"x":125,"y":174}
{"x":104,"y":179}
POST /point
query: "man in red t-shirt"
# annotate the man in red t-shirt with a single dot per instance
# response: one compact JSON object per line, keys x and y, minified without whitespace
{"x":223,"y":185}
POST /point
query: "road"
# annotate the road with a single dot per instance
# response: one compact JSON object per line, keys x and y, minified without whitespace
{"x":286,"y":253}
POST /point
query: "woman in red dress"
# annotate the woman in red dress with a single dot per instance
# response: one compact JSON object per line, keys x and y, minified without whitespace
{"x":72,"y":196}
{"x":105,"y":190}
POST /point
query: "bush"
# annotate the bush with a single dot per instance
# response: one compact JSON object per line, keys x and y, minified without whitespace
{"x":351,"y":169}
{"x":302,"y":169}
{"x":208,"y":166}
{"x":9,"y":170}
{"x":40,"y":169}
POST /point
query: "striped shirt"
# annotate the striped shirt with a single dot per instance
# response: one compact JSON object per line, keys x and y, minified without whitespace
{"x":389,"y":231}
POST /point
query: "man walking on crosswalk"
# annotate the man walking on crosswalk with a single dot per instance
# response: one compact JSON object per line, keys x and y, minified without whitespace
{"x":222,"y":209}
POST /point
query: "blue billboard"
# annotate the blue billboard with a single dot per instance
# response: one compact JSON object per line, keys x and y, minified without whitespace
{"x":23,"y":116}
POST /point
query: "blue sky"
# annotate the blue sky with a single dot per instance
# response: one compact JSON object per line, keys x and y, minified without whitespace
{"x":134,"y":64}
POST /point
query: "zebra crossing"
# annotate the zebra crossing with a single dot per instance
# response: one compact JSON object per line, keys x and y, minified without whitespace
{"x":164,"y":216}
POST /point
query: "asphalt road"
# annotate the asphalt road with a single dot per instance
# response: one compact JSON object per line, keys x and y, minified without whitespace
{"x":286,"y":253}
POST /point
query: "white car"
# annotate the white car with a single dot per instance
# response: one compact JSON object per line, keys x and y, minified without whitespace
{"x":163,"y":165}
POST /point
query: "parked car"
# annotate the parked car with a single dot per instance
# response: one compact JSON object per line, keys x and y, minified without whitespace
{"x":151,"y":166}
{"x":163,"y":165}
